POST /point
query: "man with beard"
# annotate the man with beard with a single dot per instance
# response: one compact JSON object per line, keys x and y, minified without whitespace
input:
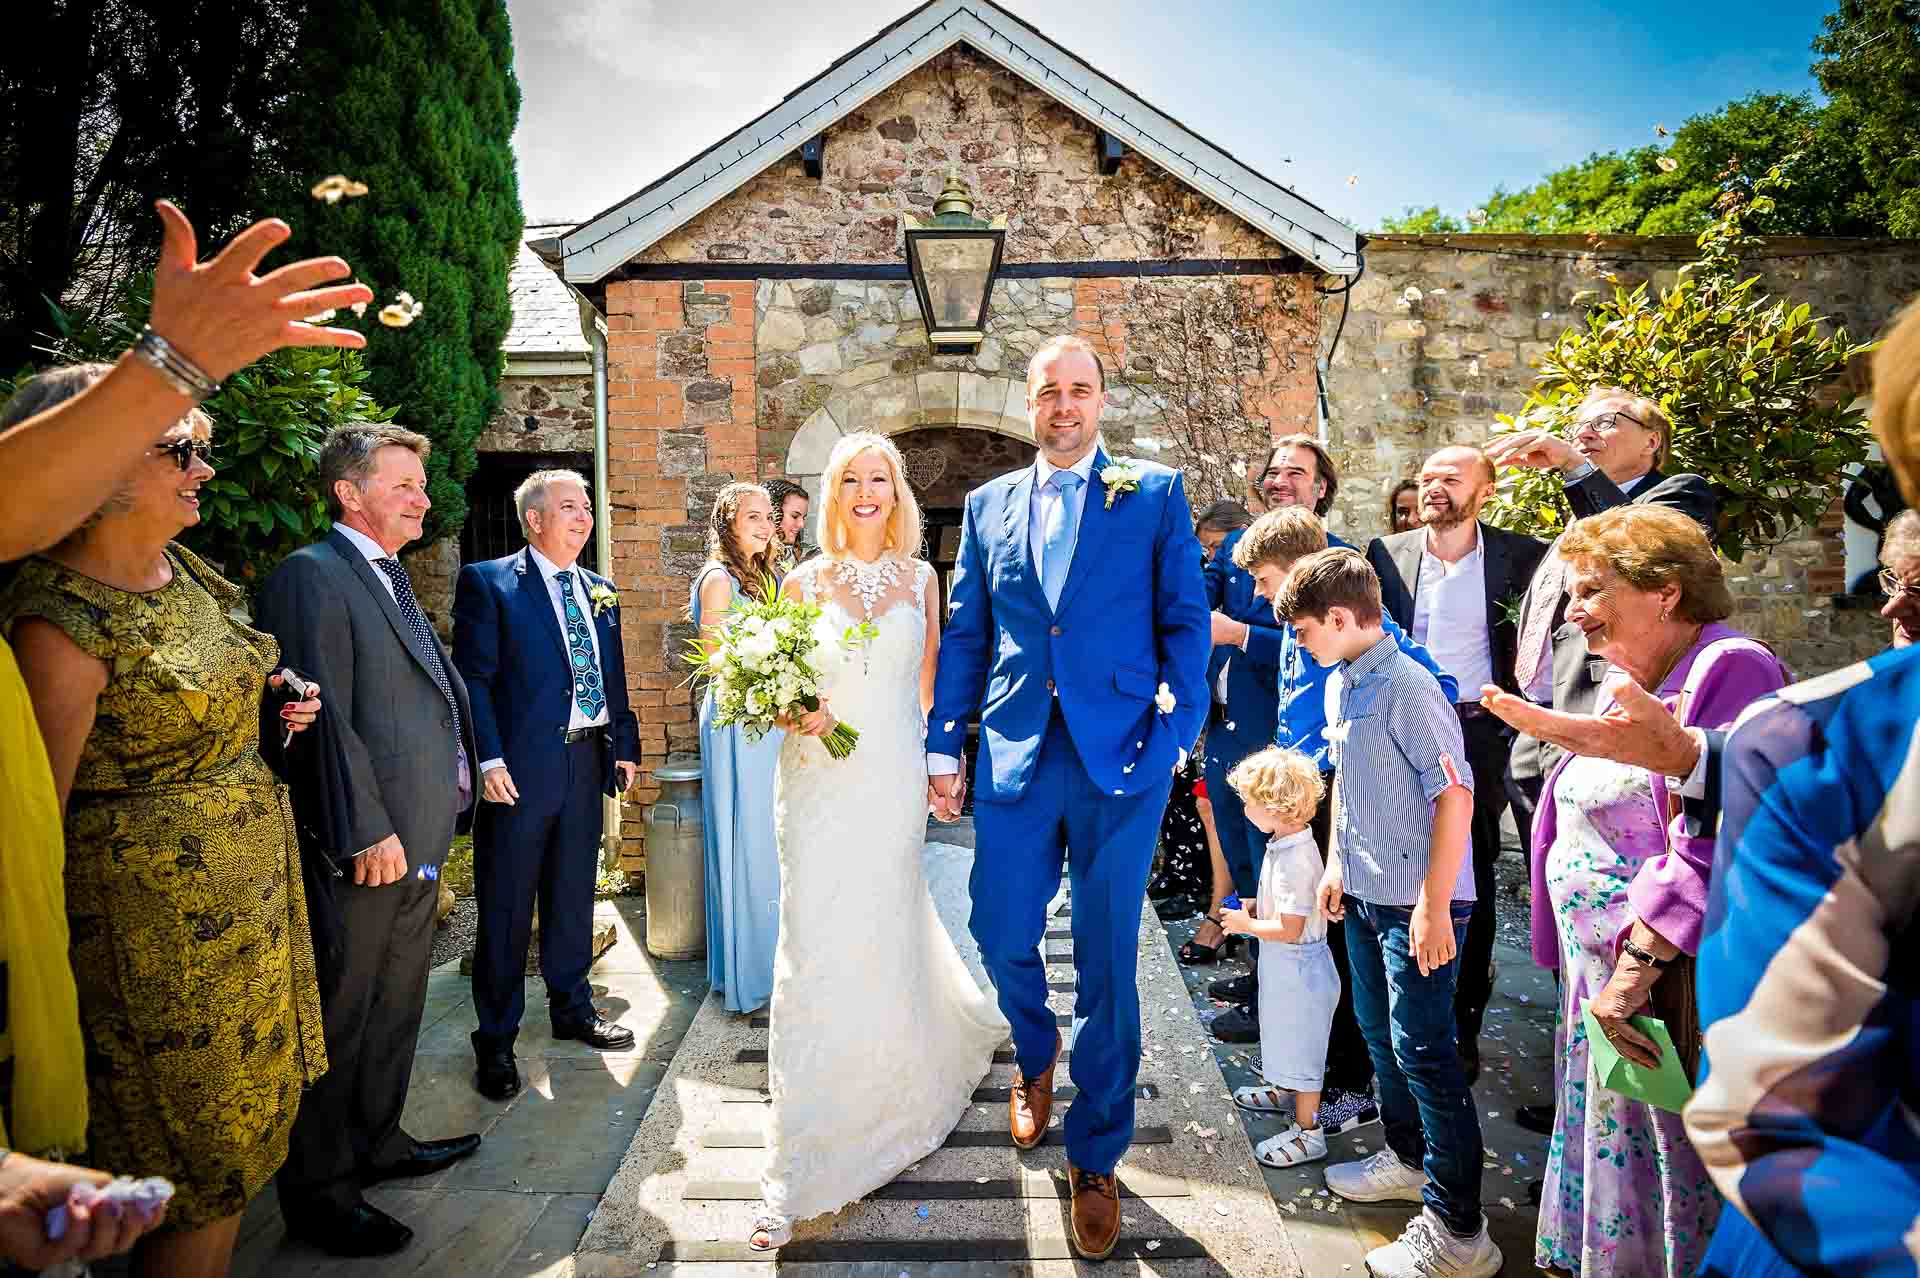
{"x":1454,"y":584}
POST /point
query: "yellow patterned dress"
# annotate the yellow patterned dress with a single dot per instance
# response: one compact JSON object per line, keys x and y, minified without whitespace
{"x":189,"y":930}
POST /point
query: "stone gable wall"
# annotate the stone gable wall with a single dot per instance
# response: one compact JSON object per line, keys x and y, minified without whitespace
{"x":1021,"y":153}
{"x":1412,"y":376}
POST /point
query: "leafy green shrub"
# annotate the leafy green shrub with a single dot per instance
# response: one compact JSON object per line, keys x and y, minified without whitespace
{"x":1739,"y":373}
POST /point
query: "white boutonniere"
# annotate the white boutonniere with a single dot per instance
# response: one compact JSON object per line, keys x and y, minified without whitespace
{"x":1165,"y":699}
{"x":1120,"y":478}
{"x":603,"y":598}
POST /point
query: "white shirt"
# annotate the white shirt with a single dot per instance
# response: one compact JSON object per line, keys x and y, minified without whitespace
{"x":1450,"y":615}
{"x":1540,"y":692}
{"x":547,"y":569}
{"x":374,"y":552}
{"x":1046,"y":498}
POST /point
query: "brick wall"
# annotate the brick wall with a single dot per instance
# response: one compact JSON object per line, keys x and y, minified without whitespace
{"x":680,"y":424}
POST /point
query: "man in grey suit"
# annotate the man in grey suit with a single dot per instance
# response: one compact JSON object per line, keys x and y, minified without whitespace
{"x":344,"y":612}
{"x":1612,"y":456}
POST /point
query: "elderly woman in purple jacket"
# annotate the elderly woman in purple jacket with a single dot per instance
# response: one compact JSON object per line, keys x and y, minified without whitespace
{"x":1620,"y":889}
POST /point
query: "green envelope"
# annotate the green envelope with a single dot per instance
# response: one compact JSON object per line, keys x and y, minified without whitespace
{"x":1664,"y":1088}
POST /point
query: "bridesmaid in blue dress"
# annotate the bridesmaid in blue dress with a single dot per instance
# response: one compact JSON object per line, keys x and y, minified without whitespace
{"x":743,"y":867}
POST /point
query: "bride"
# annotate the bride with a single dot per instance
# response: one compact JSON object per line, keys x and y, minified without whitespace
{"x":879,"y":1032}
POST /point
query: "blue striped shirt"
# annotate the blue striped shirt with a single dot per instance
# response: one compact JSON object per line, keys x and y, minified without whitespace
{"x":1809,"y":978}
{"x":1395,"y":745}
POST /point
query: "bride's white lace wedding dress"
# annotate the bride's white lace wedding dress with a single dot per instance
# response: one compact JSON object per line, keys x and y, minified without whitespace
{"x":879,"y":1032}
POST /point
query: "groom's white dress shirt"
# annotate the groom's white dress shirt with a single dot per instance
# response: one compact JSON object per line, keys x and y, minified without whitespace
{"x":1040,"y":505}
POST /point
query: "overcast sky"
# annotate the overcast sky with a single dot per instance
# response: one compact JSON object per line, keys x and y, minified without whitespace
{"x":1417,"y":103}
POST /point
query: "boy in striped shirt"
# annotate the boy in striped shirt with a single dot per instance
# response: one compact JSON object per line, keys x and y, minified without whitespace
{"x":1398,"y":873}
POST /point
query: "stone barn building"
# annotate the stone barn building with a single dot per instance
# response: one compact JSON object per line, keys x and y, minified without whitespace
{"x":755,"y":304}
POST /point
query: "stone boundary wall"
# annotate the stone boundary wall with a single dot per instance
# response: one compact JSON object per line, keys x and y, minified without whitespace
{"x":1412,"y":376}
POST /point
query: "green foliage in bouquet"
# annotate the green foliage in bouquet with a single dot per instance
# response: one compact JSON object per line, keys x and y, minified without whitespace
{"x":1739,"y":373}
{"x":268,"y":423}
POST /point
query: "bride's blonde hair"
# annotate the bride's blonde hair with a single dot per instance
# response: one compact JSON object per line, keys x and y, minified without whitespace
{"x":903,"y":527}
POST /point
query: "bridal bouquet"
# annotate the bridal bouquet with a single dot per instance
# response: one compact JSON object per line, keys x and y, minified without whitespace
{"x":765,"y":667}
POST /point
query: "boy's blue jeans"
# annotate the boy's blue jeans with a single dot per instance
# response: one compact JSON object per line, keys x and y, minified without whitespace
{"x":1425,"y":1103}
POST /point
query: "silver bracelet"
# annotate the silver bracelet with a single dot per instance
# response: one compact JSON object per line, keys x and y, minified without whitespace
{"x":181,"y":373}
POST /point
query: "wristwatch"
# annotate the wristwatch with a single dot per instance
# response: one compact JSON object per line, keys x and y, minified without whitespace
{"x":1642,"y":955}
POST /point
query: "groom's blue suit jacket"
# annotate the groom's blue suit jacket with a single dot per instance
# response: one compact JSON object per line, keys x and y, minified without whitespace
{"x":509,"y":648}
{"x":1132,"y":616}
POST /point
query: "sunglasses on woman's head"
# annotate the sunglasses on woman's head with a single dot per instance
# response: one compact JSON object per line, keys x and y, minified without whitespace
{"x":183,"y":451}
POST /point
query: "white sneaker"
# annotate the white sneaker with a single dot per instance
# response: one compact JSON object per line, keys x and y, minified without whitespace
{"x":1380,"y":1178}
{"x":1292,"y":1147}
{"x":1427,"y":1250}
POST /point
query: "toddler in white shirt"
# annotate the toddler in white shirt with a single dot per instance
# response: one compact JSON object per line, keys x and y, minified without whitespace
{"x":1299,"y":985}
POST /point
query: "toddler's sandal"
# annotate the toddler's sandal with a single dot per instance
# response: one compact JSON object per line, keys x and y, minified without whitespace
{"x":1264,"y":1100}
{"x":776,"y":1230}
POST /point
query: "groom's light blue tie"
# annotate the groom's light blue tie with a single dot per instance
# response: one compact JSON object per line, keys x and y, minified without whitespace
{"x":1057,"y":536}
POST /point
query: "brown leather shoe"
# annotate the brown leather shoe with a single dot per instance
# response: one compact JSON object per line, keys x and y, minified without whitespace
{"x":1096,"y":1213}
{"x":1030,"y":1107}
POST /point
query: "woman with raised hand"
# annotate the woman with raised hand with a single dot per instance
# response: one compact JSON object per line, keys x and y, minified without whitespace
{"x":209,"y":319}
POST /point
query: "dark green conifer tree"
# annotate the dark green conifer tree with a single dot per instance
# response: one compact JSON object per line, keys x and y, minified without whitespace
{"x":417,"y":99}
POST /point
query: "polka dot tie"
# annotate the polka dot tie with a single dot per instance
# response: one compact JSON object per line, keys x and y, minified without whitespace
{"x":587,"y":692}
{"x":423,"y":641}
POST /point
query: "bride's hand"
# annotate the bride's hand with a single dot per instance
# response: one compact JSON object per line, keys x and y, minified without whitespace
{"x":817,"y":723}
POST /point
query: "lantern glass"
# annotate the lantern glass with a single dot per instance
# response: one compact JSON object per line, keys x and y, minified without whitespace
{"x":957,"y":272}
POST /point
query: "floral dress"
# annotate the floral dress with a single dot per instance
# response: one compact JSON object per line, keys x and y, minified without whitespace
{"x":187,"y":913}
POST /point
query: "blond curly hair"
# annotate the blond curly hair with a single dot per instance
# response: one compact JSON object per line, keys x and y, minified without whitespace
{"x":1285,"y":780}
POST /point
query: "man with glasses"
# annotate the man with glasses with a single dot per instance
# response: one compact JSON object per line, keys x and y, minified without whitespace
{"x":1611,"y":456}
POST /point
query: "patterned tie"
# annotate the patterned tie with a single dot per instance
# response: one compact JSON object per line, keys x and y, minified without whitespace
{"x":587,"y":692}
{"x":1058,"y":534}
{"x":1543,"y":600}
{"x":423,"y":640}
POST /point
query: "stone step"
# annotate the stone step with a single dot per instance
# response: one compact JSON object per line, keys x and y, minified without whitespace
{"x":758,"y":1056}
{"x":962,"y":1139}
{"x":1028,"y":1184}
{"x":1145,"y":1091}
{"x":762,"y":1022}
{"x":932,"y":1251}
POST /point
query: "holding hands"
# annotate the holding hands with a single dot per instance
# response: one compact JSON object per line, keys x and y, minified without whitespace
{"x":945,"y":796}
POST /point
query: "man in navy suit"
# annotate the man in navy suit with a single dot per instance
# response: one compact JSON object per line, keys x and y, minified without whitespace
{"x":1079,"y":635}
{"x":537,"y":639}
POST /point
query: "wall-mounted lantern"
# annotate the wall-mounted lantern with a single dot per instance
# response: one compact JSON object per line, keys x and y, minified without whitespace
{"x":953,"y":260}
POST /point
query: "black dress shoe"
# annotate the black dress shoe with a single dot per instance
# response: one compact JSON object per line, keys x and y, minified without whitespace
{"x":1537,"y":1119}
{"x":1242,"y":989}
{"x":495,"y":1075}
{"x":357,"y":1231}
{"x":597,"y":1032}
{"x":426,"y":1158}
{"x":1236,"y":1025}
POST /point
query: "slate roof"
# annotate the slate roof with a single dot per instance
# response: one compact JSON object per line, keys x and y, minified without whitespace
{"x":546,"y":319}
{"x":608,"y":240}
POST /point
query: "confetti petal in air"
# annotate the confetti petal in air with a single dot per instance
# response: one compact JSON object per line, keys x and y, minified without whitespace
{"x":333,"y":189}
{"x":1660,"y":129}
{"x":1667,"y":163}
{"x":1412,"y":294}
{"x":322,"y":317}
{"x":1476,"y":217}
{"x":402,"y":311}
{"x":1353,"y":179}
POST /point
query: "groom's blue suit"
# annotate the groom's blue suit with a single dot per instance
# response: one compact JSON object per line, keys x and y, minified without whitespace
{"x":1076,"y":760}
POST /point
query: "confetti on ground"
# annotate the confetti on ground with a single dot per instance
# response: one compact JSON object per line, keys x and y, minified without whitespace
{"x":1153,"y":1244}
{"x":922,"y":1212}
{"x":1221,"y":1209}
{"x":1508,"y":1204}
{"x":979,"y":1180}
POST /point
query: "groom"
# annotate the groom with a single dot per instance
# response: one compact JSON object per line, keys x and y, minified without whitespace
{"x":1079,"y":619}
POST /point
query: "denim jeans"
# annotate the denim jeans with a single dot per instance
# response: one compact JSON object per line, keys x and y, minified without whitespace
{"x":1425,"y":1103}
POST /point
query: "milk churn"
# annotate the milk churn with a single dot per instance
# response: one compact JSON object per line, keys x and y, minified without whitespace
{"x":676,"y":865}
